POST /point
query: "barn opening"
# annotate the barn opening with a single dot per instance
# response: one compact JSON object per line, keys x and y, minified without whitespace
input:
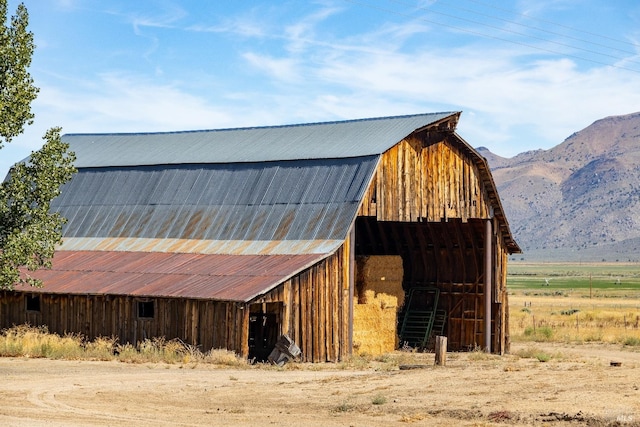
{"x":439,"y":268}
{"x":264,"y":329}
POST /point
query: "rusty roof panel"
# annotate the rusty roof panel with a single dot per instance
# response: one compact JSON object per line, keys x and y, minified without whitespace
{"x":237,"y":206}
{"x":230,"y":247}
{"x":178,"y":275}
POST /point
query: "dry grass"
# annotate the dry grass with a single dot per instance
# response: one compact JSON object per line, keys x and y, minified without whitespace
{"x":575,"y":318}
{"x":37,"y":342}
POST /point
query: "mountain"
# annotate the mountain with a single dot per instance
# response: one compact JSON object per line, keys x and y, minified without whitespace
{"x":578,"y":201}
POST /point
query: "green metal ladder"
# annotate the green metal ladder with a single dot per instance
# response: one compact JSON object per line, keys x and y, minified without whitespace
{"x":419,"y":316}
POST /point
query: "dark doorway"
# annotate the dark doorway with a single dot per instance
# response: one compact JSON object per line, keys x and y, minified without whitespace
{"x":264,"y":328}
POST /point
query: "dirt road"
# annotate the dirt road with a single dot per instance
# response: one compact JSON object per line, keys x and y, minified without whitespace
{"x":577,"y":386}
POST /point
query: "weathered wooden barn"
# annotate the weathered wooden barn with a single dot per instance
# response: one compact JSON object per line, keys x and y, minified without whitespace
{"x":230,"y":238}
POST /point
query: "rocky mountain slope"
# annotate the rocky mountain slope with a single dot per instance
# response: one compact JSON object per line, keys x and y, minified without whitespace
{"x":579,"y":200}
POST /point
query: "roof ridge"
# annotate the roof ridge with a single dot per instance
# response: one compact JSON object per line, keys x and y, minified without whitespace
{"x":290,"y":125}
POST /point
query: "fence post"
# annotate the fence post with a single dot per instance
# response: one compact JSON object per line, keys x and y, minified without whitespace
{"x":441,"y":350}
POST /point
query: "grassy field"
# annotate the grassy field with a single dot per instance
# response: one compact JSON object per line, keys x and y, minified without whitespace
{"x":575,"y":302}
{"x":613,"y":279}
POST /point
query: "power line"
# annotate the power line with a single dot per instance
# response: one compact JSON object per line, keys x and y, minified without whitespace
{"x":548,"y":31}
{"x":489,"y":36}
{"x":429,"y":10}
{"x":602,"y":36}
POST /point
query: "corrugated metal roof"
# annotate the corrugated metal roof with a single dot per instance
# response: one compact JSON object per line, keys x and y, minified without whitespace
{"x":291,"y":207}
{"x":218,"y":277}
{"x":353,"y":138}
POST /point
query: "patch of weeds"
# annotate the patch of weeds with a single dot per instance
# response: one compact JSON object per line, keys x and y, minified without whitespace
{"x":631,"y":341}
{"x":542,"y":333}
{"x":383,"y":358}
{"x":355,"y":362}
{"x":545,"y":331}
{"x":413,"y":418}
{"x":500,"y":416}
{"x":595,"y":336}
{"x":569,"y":312}
{"x":542,"y":356}
{"x":128,"y":353}
{"x":478,"y":354}
{"x":343,"y":407}
{"x":534,"y":353}
{"x":224,"y":357}
{"x":102,"y":348}
{"x":525,"y":310}
{"x":379,"y":400}
{"x":405,"y":358}
{"x":28,"y":341}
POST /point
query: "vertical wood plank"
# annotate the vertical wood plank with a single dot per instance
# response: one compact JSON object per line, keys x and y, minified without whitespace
{"x":243,"y":324}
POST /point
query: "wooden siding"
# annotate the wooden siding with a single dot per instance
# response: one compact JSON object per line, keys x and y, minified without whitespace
{"x":316,"y":312}
{"x":202,"y":323}
{"x":429,"y":182}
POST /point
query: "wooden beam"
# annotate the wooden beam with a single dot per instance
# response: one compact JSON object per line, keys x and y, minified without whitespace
{"x":488,"y":265}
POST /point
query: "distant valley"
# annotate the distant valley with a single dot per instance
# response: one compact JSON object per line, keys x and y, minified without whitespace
{"x":578,"y":201}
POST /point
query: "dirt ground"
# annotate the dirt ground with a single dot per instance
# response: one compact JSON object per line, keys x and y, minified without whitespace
{"x":577,"y":386}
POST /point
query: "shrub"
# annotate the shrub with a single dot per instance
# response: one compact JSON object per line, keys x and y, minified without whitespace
{"x":542,"y":356}
{"x":542,"y":333}
{"x":101,"y":348}
{"x":343,"y":407}
{"x":534,"y":353}
{"x":379,"y":400}
{"x":545,"y":331}
{"x":631,"y":341}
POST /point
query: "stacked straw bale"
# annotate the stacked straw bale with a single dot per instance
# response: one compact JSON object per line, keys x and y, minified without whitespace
{"x":380,"y":297}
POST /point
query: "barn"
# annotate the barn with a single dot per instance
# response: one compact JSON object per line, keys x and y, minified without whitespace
{"x":355,"y":236}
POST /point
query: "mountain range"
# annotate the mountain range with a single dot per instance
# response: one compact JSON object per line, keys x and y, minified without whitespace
{"x":578,"y":201}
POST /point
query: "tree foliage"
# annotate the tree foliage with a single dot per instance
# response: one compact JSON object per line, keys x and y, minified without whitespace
{"x":17,"y":90}
{"x":29,"y":232}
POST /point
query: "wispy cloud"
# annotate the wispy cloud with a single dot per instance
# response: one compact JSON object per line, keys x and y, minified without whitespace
{"x":249,"y":24}
{"x":284,"y":69}
{"x":134,"y":104}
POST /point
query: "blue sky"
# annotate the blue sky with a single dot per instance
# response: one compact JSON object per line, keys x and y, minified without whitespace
{"x":525,"y":74}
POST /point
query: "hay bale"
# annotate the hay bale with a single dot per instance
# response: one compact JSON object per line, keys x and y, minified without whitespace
{"x":374,"y":329}
{"x":382,"y":274}
{"x":380,"y":296}
{"x":370,"y":297}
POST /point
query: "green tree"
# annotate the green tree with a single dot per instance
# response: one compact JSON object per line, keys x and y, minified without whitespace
{"x":29,"y":232}
{"x":16,"y":85}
